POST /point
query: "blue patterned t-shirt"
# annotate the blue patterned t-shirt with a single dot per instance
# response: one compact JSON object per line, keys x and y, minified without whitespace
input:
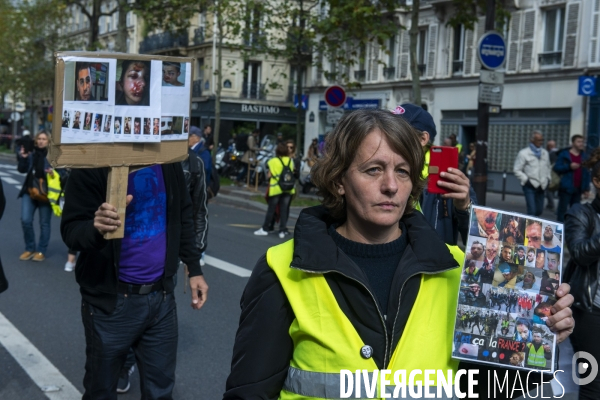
{"x":144,"y":247}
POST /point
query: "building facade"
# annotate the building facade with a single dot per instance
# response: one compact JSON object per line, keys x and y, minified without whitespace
{"x":256,"y":93}
{"x":550,"y":43}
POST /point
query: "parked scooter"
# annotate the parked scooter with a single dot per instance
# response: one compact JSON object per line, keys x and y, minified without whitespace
{"x":266,"y":152}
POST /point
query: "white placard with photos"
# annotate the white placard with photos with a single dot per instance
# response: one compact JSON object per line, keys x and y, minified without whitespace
{"x":513,"y":266}
{"x":120,"y":100}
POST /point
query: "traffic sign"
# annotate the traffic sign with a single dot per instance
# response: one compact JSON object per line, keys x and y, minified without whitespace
{"x":587,"y":86}
{"x":335,"y":96}
{"x":304,"y":101}
{"x":15,"y":116}
{"x":490,"y":94}
{"x":491,"y":50}
{"x":334,"y":114}
{"x":20,"y":106}
{"x":492,"y":77}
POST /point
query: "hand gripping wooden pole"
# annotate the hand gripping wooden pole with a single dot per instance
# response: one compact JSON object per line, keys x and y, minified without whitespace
{"x":117,"y":196}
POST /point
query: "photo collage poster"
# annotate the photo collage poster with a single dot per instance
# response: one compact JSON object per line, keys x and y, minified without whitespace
{"x":512,"y":268}
{"x":118,"y":100}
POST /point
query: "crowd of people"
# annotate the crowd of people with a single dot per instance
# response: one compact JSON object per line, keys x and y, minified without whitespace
{"x":378,"y":251}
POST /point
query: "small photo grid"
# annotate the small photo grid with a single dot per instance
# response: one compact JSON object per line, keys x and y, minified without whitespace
{"x":508,"y":287}
{"x":77,"y":120}
{"x":118,"y":125}
{"x":127,"y":125}
{"x":156,"y":126}
{"x":170,"y":125}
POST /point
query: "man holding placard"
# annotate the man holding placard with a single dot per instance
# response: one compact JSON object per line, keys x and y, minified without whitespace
{"x":127,"y":285}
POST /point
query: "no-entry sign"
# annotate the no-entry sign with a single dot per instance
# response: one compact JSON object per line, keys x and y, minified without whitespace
{"x":335,"y":96}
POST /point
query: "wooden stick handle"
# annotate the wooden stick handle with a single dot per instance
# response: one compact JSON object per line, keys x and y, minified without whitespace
{"x":117,"y":196}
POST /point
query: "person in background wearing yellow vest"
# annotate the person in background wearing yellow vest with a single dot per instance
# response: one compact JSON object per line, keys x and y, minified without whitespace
{"x":340,"y":294}
{"x":537,"y":352}
{"x":449,"y":213}
{"x":35,"y":165}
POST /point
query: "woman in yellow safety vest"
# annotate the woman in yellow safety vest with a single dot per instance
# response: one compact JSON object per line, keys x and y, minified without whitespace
{"x":366,"y":283}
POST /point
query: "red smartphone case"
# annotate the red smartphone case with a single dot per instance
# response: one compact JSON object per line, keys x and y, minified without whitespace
{"x":441,"y":158}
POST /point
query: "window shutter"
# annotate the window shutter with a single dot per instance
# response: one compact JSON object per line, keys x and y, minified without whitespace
{"x":527,"y":40}
{"x":480,"y":31}
{"x":571,"y":28}
{"x":468,"y":58}
{"x":374,"y":62}
{"x":513,"y":45}
{"x":593,"y":52}
{"x":431,"y":50}
{"x":403,"y":56}
{"x":449,"y":34}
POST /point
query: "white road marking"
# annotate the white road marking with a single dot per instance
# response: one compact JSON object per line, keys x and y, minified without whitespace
{"x":10,"y":180}
{"x":8,"y":166}
{"x":228,"y":267}
{"x":4,"y":174}
{"x":43,"y":373}
{"x":14,"y":171}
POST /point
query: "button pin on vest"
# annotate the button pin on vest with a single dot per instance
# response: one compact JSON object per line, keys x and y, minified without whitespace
{"x":366,"y":351}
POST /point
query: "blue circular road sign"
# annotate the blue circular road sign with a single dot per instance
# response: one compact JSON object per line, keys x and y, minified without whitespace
{"x":491,"y":50}
{"x":335,"y":96}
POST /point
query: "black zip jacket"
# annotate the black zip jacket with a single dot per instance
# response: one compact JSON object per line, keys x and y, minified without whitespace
{"x":263,"y":348}
{"x":97,"y":270}
{"x":195,"y":180}
{"x":582,"y":234}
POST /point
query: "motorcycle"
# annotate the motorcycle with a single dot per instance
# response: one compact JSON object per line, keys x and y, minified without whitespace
{"x":266,"y":152}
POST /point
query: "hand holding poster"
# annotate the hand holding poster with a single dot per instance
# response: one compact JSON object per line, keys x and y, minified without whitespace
{"x":508,"y":286}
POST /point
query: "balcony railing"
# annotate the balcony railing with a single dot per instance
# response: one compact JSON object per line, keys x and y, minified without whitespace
{"x":198,"y":36}
{"x":360,"y":75}
{"x":161,"y":41}
{"x":197,"y":88}
{"x":389,"y":73}
{"x":253,"y":91}
{"x":550,"y":59}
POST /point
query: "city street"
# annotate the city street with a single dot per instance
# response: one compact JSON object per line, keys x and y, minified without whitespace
{"x":43,"y":305}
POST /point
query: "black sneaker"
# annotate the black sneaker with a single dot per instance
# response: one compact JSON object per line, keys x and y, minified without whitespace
{"x":123,"y":385}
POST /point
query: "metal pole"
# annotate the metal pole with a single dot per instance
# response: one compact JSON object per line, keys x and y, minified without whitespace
{"x":483,"y":120}
{"x":503,"y":185}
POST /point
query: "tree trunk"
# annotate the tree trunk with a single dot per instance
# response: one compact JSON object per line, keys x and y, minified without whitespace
{"x":123,"y":32}
{"x":94,"y":25}
{"x":218,"y":85}
{"x":300,"y":112}
{"x":414,"y":67}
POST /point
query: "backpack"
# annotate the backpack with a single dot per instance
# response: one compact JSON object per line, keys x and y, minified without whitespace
{"x":554,"y":181}
{"x":241,"y":142}
{"x":213,"y":187}
{"x":286,"y":177}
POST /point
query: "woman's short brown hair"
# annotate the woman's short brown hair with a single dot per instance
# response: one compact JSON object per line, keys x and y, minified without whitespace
{"x":342,"y":145}
{"x":281,"y":150}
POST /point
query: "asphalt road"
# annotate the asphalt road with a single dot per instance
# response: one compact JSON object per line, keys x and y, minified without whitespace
{"x":43,"y":305}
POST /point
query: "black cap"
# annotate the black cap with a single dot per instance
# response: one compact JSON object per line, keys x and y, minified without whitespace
{"x":418,"y":118}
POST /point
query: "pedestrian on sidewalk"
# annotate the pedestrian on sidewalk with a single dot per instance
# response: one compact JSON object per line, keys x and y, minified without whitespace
{"x":278,"y":196}
{"x":36,"y":167}
{"x":532,"y":168}
{"x":574,"y":177}
{"x":127,"y":284}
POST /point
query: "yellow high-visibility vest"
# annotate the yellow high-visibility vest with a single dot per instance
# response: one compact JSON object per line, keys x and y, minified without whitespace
{"x":536,"y":358}
{"x":54,"y":192}
{"x":325,"y":341}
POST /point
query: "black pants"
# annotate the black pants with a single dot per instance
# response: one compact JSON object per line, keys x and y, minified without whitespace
{"x":284,"y":201}
{"x":146,"y":323}
{"x":585,"y":338}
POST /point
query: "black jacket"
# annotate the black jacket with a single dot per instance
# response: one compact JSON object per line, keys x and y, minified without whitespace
{"x":97,"y":269}
{"x":263,"y":348}
{"x":582,"y":234}
{"x":195,"y":180}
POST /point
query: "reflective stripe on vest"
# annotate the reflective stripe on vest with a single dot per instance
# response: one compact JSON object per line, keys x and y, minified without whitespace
{"x":54,"y":192}
{"x":536,"y":357}
{"x":325,"y":341}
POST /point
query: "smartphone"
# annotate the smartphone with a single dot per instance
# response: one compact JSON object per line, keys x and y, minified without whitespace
{"x":441,"y":158}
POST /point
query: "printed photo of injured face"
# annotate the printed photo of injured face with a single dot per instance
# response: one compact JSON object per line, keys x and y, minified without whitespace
{"x":133,"y":86}
{"x":173,"y":73}
{"x":485,"y":223}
